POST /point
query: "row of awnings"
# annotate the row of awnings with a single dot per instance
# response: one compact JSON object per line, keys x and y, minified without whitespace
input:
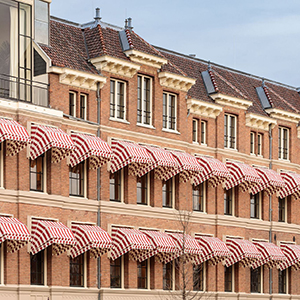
{"x":141,"y":159}
{"x":143,"y":244}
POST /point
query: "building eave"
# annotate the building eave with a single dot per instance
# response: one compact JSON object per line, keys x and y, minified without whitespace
{"x":231,"y":101}
{"x":203,"y":109}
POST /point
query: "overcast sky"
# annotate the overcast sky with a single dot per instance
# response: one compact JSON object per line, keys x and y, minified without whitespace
{"x":261,"y":37}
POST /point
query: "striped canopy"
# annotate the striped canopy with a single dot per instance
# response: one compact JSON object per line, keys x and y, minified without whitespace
{"x":90,"y":147}
{"x":45,"y":137}
{"x":292,"y":181}
{"x":90,"y":238}
{"x":15,"y":135}
{"x":137,"y":158}
{"x":133,"y":241}
{"x":214,"y":171}
{"x":292,"y":253}
{"x":14,"y":232}
{"x":46,"y":233}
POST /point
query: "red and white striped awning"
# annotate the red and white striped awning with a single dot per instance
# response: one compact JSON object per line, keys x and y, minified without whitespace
{"x":166,"y":165}
{"x":14,"y":232}
{"x":137,"y":158}
{"x":90,"y":147}
{"x":213,"y":249}
{"x":15,"y":135}
{"x":292,"y":253}
{"x":243,"y":175}
{"x":165,"y":247}
{"x":189,"y":247}
{"x":189,"y":166}
{"x":243,"y":251}
{"x":292,"y":181}
{"x":133,"y":241}
{"x":271,"y":181}
{"x":214,"y":171}
{"x":90,"y":238}
{"x":45,"y":233}
{"x":271,"y":255}
{"x":45,"y":137}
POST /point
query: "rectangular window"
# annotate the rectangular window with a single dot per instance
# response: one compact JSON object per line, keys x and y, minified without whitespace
{"x":228,"y":277}
{"x":282,"y":281}
{"x":199,"y":197}
{"x":281,"y":209}
{"x":195,"y":130}
{"x":76,"y":180}
{"x":168,"y":279}
{"x":144,"y":110}
{"x":72,"y":104}
{"x":259,"y":144}
{"x":252,"y":142}
{"x":203,"y":132}
{"x":255,"y":206}
{"x":168,"y":193}
{"x":142,"y":189}
{"x":198,"y":277}
{"x":37,"y":174}
{"x":230,"y":128}
{"x":169,"y":111}
{"x":228,"y":201}
{"x":83,"y":106}
{"x":117,"y":99}
{"x":256,"y":280}
{"x":37,"y":268}
{"x":116,"y":273}
{"x":77,"y":271}
{"x":115,"y":186}
{"x":142,"y":268}
{"x":283,"y":143}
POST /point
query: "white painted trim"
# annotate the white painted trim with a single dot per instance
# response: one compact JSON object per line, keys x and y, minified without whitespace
{"x":229,"y":137}
{"x":203,"y":108}
{"x":175,"y":81}
{"x":142,"y":100}
{"x":283,"y":115}
{"x":231,"y":101}
{"x":168,"y":112}
{"x":259,"y":122}
{"x":115,"y":118}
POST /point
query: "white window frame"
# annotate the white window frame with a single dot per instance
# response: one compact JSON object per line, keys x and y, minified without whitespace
{"x":143,"y":100}
{"x":115,"y":118}
{"x":260,"y":195}
{"x":173,"y":195}
{"x":148,"y":189}
{"x":252,"y":142}
{"x":259,"y":145}
{"x":281,"y":144}
{"x":168,"y":113}
{"x":75,"y":99}
{"x":85,"y":106}
{"x":229,"y":137}
{"x":196,"y":130}
{"x":204,"y":199}
{"x":203,"y":129}
{"x":85,"y":171}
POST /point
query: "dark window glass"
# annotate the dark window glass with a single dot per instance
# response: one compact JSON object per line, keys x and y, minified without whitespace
{"x":142,"y":189}
{"x":77,"y":271}
{"x":282,"y":287}
{"x":72,"y":104}
{"x":37,"y":268}
{"x":225,"y":131}
{"x":165,"y":115}
{"x":228,"y":279}
{"x":195,"y":130}
{"x":115,"y":186}
{"x":198,"y":197}
{"x":254,"y":206}
{"x":139,"y":100}
{"x":281,"y":209}
{"x":232,"y":132}
{"x":167,"y":190}
{"x":168,"y":276}
{"x":256,"y":280}
{"x":115,"y":273}
{"x":36,"y":174}
{"x":142,"y":274}
{"x":228,"y":195}
{"x":76,"y":180}
{"x":117,"y":99}
{"x":120,"y":100}
{"x":203,"y":132}
{"x":83,"y":101}
{"x":259,"y":144}
{"x":252,"y":143}
{"x":169,"y":111}
{"x":229,"y":131}
{"x":283,"y":143}
{"x":112,"y":99}
{"x":198,"y":277}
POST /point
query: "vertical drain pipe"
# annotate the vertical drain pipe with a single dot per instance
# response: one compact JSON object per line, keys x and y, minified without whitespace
{"x":270,"y":209}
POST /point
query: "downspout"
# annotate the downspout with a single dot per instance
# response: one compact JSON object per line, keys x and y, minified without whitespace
{"x":98,"y":188}
{"x":270,"y":209}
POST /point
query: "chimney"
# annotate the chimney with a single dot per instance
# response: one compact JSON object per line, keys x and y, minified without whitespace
{"x":130,"y":24}
{"x":97,"y":18}
{"x":126,"y":23}
{"x":298,"y":89}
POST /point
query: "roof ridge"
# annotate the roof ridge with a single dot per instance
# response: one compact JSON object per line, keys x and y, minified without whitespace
{"x":177,"y":68}
{"x":102,"y":39}
{"x":129,"y":39}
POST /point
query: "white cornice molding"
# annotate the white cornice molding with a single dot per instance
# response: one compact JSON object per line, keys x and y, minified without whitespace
{"x":231,"y":101}
{"x":115,"y":65}
{"x":78,"y":78}
{"x":259,"y":122}
{"x":203,"y":109}
{"x":283,"y":115}
{"x":174,"y":81}
{"x":146,"y":59}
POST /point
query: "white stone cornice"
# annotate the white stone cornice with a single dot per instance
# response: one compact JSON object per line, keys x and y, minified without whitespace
{"x":78,"y":78}
{"x":259,"y":122}
{"x":203,"y":109}
{"x":145,"y":59}
{"x":283,"y":115}
{"x":175,"y":81}
{"x":231,"y":101}
{"x":115,"y":65}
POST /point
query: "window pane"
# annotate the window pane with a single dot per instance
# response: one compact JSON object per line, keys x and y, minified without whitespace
{"x":195,"y":130}
{"x":115,"y":273}
{"x":76,"y":180}
{"x":282,"y":288}
{"x":112,"y":98}
{"x":198,"y":277}
{"x":281,"y":209}
{"x":168,"y":193}
{"x":168,"y":276}
{"x":36,"y":174}
{"x":256,"y":280}
{"x":37,"y":268}
{"x":115,"y":186}
{"x":77,"y":271}
{"x":228,"y":202}
{"x":139,"y":99}
{"x":120,"y":100}
{"x":165,"y":117}
{"x":198,"y":201}
{"x":83,"y":106}
{"x":142,"y":189}
{"x":228,"y":279}
{"x":225,"y":131}
{"x":142,"y":274}
{"x":203,"y":132}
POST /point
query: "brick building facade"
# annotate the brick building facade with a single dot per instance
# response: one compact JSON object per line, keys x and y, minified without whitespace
{"x":107,"y":142}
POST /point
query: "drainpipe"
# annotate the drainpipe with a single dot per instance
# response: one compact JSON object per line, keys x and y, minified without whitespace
{"x":98,"y":188}
{"x":270,"y":210}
